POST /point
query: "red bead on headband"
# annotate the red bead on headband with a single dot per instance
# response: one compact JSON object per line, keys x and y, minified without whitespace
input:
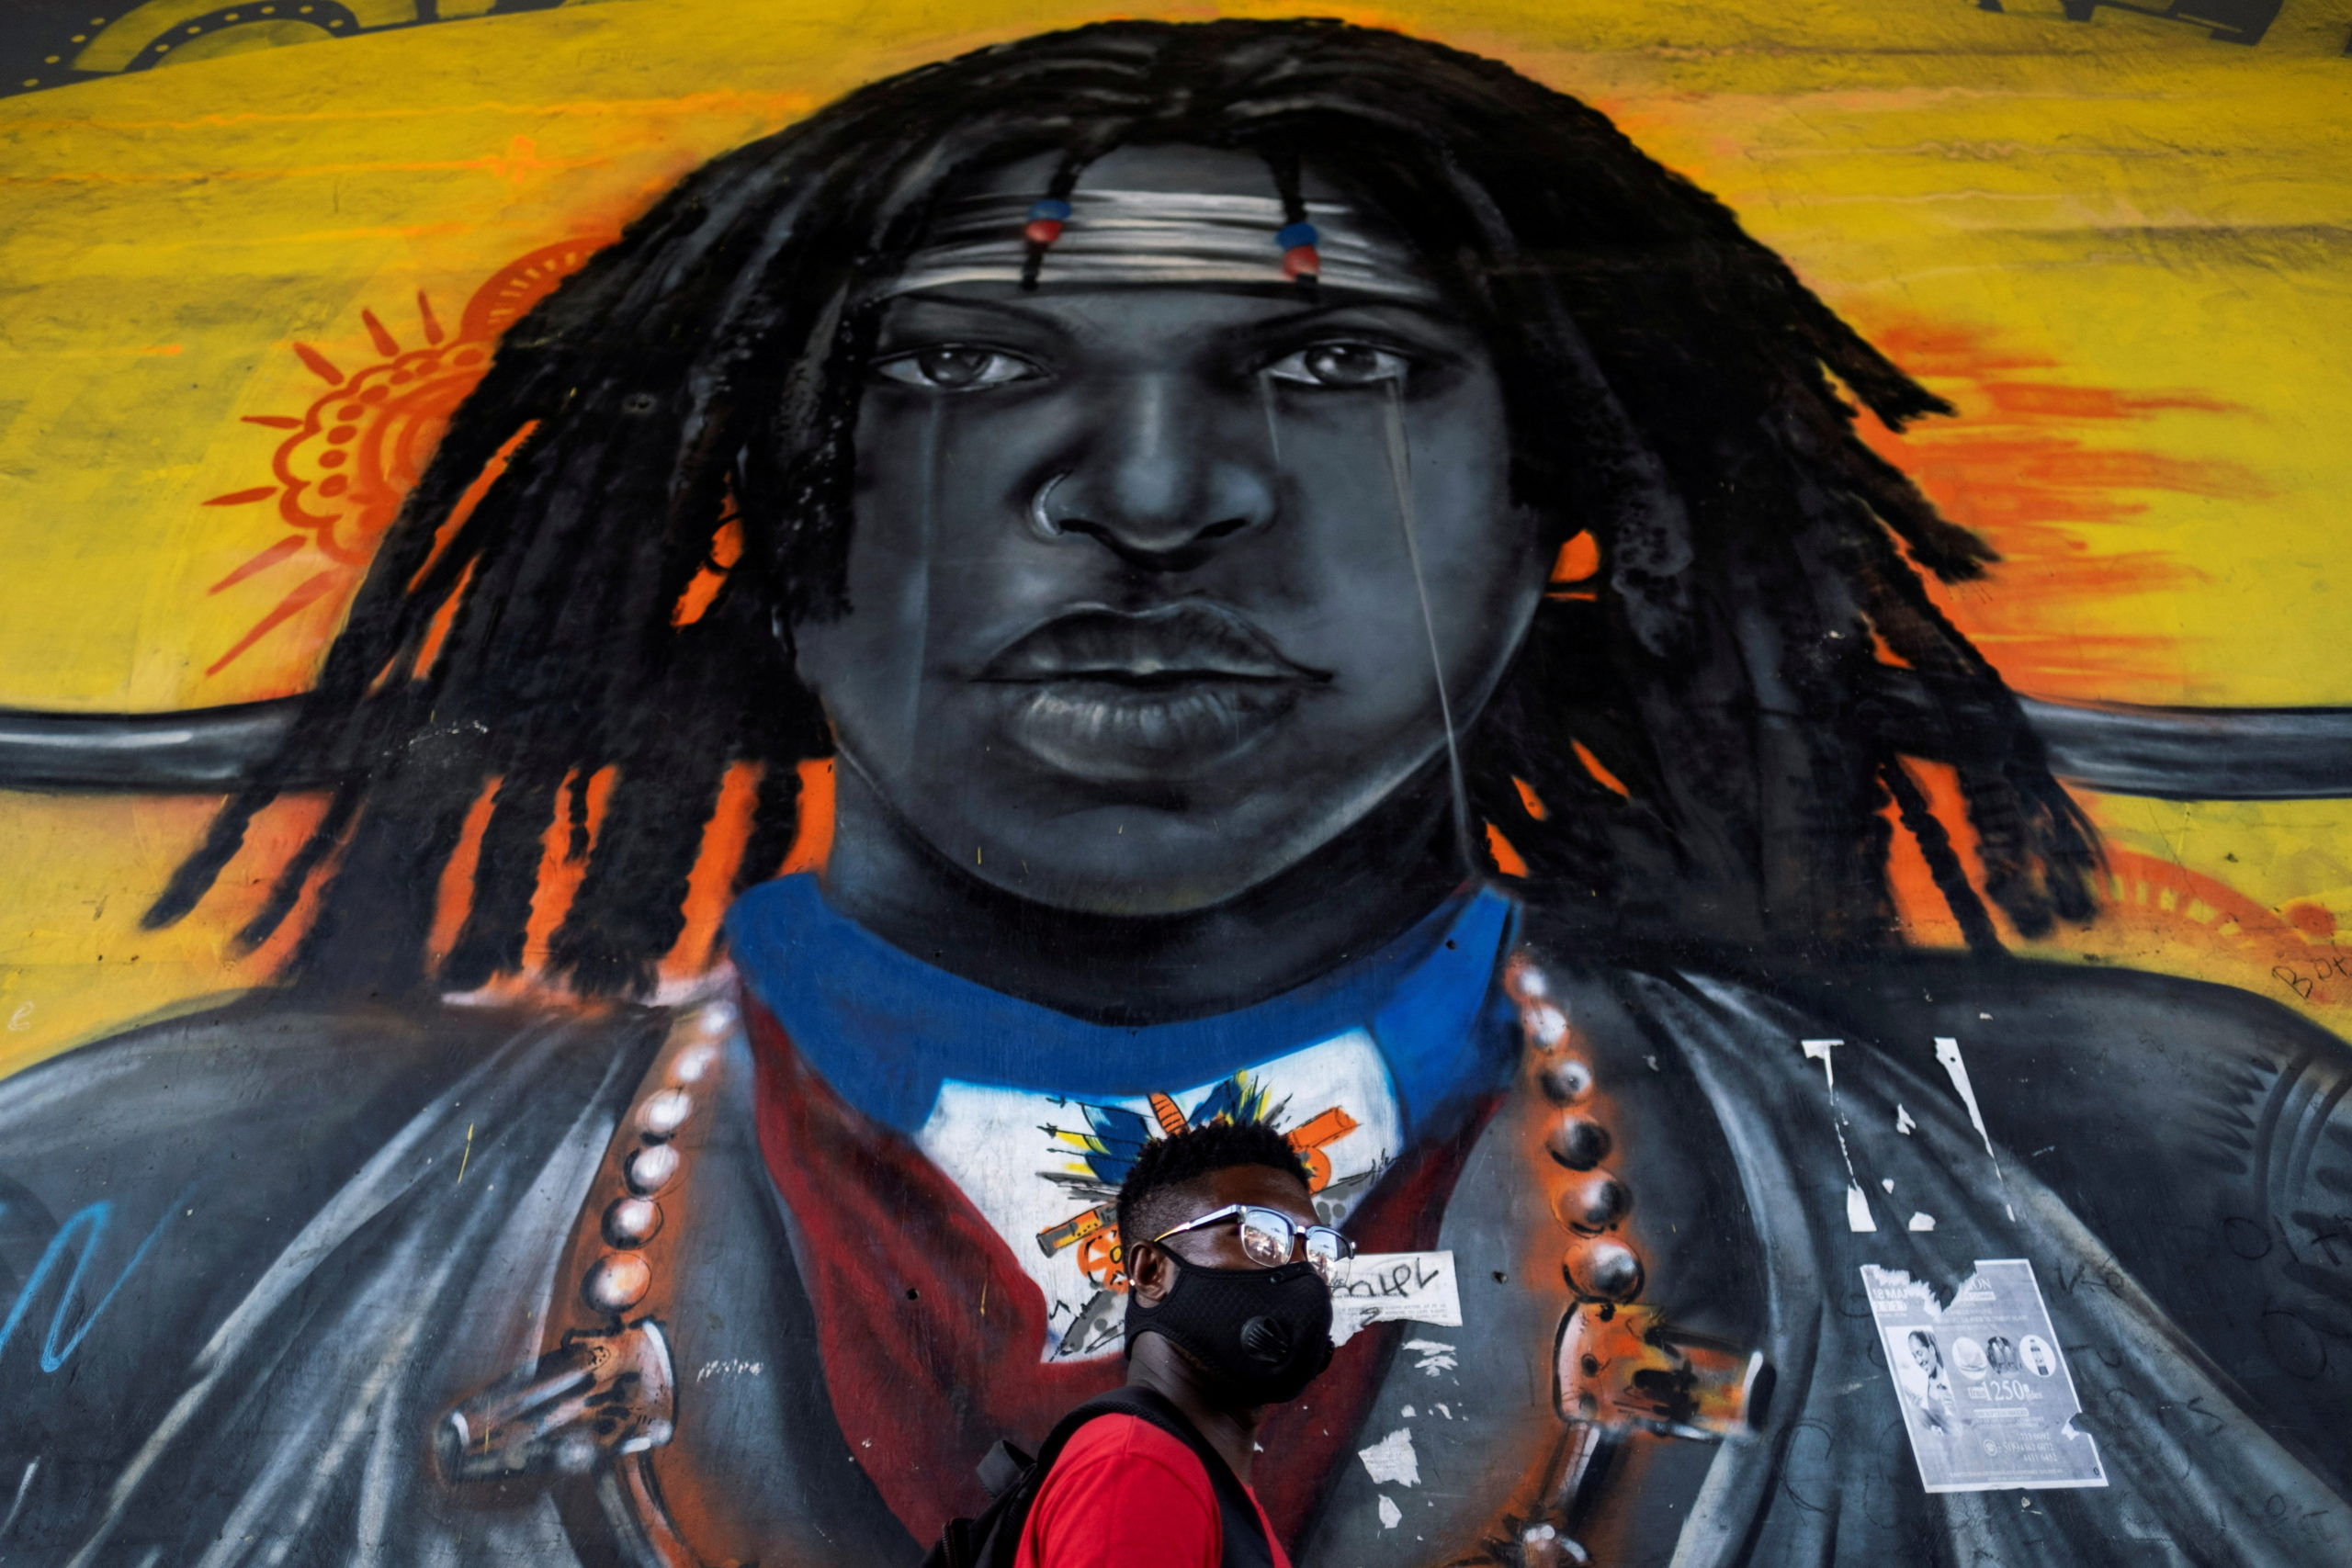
{"x":1301,"y":260}
{"x":1045,"y":220}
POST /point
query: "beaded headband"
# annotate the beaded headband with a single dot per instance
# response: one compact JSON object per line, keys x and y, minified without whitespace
{"x":1102,"y":238}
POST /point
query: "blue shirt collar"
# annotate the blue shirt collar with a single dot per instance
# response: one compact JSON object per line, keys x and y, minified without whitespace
{"x":886,"y":1028}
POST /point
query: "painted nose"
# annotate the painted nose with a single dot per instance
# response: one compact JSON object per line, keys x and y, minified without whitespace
{"x":1159,"y":482}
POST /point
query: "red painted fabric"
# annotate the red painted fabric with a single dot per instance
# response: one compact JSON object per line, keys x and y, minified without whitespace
{"x":933,"y":1335}
{"x":1125,"y":1494}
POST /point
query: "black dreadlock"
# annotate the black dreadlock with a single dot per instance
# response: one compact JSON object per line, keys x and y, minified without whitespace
{"x":1176,"y":1161}
{"x":1671,"y":387}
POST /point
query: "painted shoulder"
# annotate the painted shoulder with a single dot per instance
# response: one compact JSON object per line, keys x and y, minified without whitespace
{"x":262,"y":1084}
{"x":2202,"y":1134}
{"x":245,"y":1214}
{"x":2112,"y":1057}
{"x":2107,"y":1057}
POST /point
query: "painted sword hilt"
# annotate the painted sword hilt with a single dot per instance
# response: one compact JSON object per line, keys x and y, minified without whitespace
{"x":596,"y":1396}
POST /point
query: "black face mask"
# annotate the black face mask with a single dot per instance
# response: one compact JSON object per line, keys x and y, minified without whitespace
{"x":1261,"y":1335}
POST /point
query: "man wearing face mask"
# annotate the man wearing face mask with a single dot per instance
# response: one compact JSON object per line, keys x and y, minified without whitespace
{"x":1228,"y":1312}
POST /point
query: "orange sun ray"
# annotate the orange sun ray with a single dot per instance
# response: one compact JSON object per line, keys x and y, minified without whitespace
{"x":424,"y":314}
{"x":386,"y":343}
{"x":303,"y":593}
{"x":261,"y":562}
{"x":244,"y":497}
{"x":321,"y":365}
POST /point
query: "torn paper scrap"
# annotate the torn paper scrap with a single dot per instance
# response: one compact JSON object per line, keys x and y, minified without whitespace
{"x":1857,"y":1210}
{"x":1391,"y":1516}
{"x":1416,"y":1287}
{"x":1947,"y":1053}
{"x":1435,"y":1355}
{"x":1818,"y":1051}
{"x":1392,"y":1461}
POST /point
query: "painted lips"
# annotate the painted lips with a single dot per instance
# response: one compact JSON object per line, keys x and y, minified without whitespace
{"x":1160,"y":694}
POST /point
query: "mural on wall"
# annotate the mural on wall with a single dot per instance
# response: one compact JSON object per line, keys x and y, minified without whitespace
{"x":673,"y":669}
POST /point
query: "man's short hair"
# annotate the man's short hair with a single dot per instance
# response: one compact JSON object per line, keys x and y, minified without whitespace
{"x":1151,"y":1200}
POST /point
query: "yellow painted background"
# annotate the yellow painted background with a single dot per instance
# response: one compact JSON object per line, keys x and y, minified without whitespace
{"x":2124,"y":209}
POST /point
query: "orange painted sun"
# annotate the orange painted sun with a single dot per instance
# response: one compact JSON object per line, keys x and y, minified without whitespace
{"x":348,"y":460}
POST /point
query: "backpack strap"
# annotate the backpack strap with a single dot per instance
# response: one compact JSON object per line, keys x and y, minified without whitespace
{"x":1245,"y":1540}
{"x":993,"y":1539}
{"x":1012,"y":1479}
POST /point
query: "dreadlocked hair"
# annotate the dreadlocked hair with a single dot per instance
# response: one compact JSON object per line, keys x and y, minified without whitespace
{"x":1707,"y":741}
{"x":1167,"y":1164}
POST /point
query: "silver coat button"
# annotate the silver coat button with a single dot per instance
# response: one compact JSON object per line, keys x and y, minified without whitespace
{"x":649,"y":1170}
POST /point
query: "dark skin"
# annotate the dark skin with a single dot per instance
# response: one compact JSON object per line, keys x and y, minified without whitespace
{"x":1378,"y":879}
{"x":1156,"y":1363}
{"x":1045,"y":781}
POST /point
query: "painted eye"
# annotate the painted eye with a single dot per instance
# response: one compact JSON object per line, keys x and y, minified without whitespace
{"x":957,"y":367}
{"x":1340,"y":364}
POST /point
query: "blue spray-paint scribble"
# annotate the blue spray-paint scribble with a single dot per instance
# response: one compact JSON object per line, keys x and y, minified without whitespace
{"x":88,"y":1225}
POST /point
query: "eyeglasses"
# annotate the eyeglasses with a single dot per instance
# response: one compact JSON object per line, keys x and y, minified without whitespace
{"x":1271,"y":1237}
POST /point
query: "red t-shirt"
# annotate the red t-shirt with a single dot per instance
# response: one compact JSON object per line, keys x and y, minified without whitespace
{"x":1125,"y":1494}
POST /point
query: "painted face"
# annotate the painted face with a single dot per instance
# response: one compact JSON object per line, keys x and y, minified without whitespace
{"x":1149,"y":585}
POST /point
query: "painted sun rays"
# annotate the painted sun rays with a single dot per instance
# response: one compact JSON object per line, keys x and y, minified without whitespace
{"x":343,"y":465}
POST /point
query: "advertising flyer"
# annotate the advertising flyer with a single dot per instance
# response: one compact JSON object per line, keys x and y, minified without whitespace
{"x":1986,"y":1392}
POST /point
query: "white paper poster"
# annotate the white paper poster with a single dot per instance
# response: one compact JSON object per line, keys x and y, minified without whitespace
{"x":1986,"y":1392}
{"x":1381,"y":1287}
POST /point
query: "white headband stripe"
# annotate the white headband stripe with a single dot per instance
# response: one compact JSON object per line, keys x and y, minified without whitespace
{"x":1125,"y":237}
